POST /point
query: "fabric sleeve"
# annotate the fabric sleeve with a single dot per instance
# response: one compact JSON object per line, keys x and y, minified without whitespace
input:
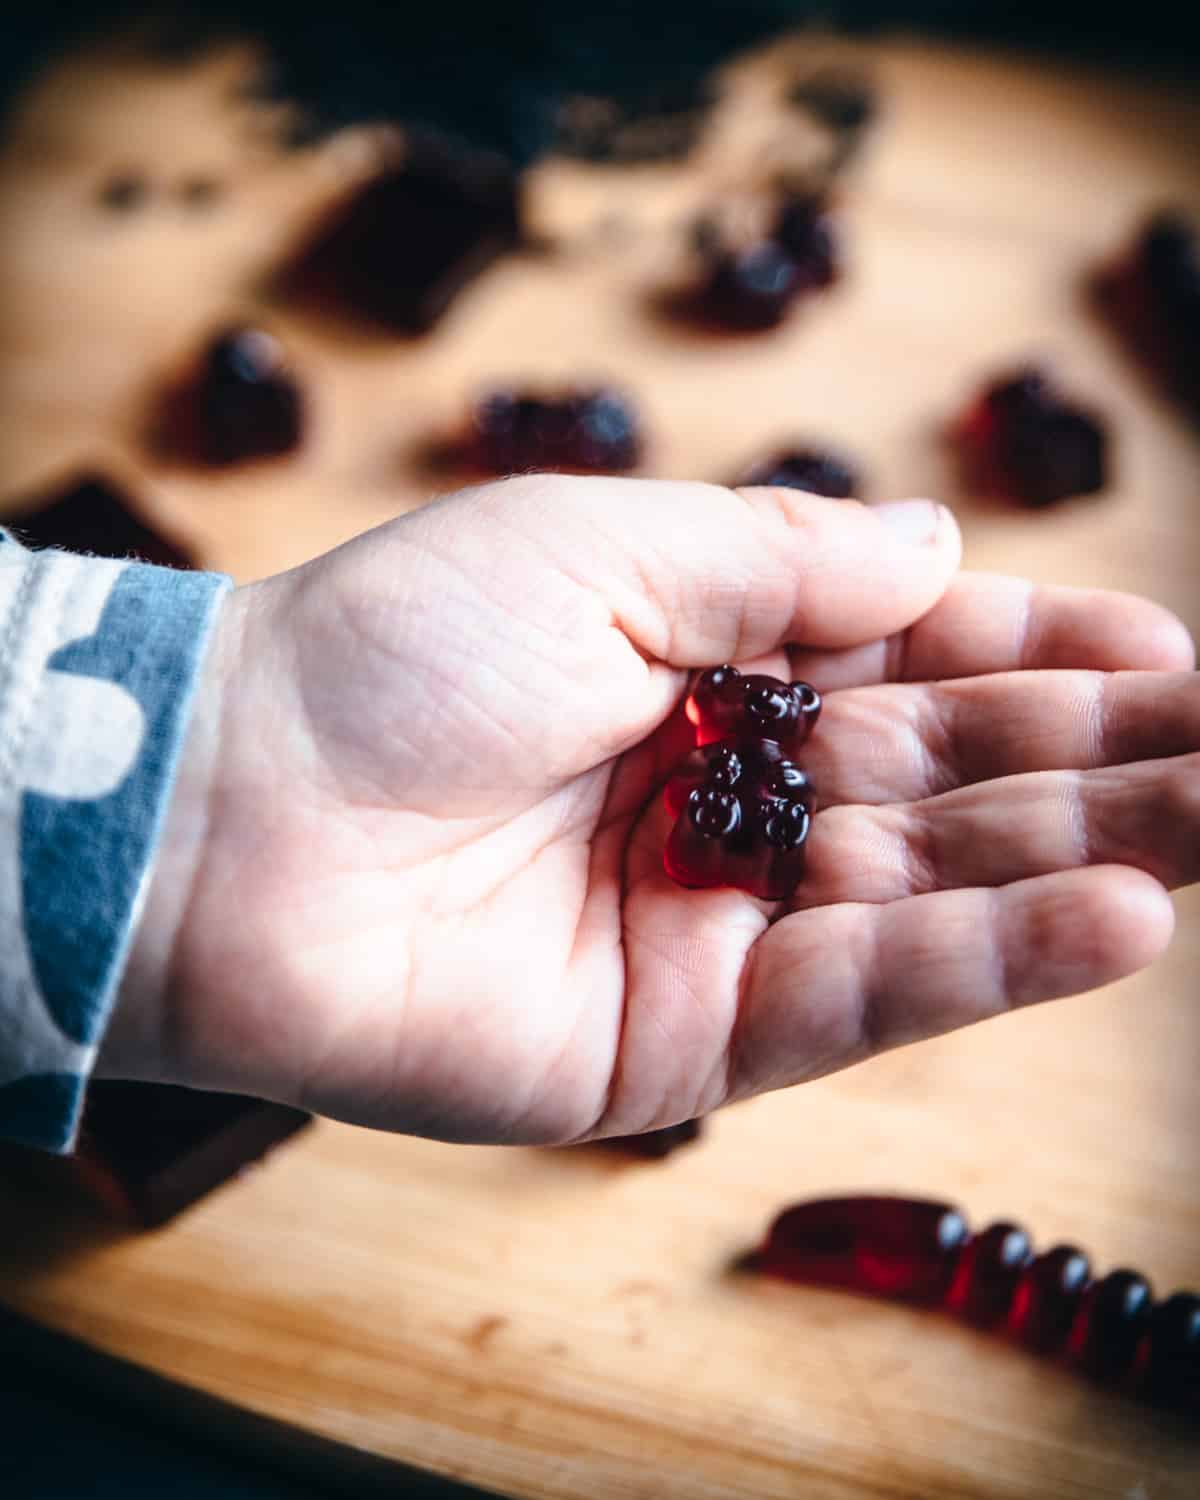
{"x":98,"y":663}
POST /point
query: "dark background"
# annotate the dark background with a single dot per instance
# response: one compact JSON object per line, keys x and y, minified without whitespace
{"x":496,"y":72}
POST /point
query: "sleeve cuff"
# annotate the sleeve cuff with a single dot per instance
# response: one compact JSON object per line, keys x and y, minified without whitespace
{"x":98,"y":664}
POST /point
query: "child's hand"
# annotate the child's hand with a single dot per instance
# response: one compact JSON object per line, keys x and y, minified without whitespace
{"x":412,"y":875}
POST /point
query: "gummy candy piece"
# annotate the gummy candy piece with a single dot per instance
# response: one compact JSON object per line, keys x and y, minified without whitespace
{"x":657,"y":1143}
{"x":1172,"y":1365}
{"x":1021,"y":440}
{"x":1152,"y":299}
{"x":1047,"y":1298}
{"x":806,"y":231}
{"x":903,"y":1248}
{"x":590,"y":431}
{"x":1113,"y":1315}
{"x":751,"y":288}
{"x":725,"y":703}
{"x":742,"y":807}
{"x":240,"y":402}
{"x":987,"y":1274}
{"x":814,"y":470}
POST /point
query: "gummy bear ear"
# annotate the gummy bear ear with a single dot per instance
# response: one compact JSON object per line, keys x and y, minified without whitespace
{"x":717,"y":678}
{"x":809,"y":700}
{"x":710,"y":687}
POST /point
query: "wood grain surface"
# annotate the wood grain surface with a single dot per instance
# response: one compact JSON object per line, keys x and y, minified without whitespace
{"x":569,"y":1324}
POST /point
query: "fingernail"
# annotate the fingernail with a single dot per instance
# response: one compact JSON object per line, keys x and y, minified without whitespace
{"x":915,"y":521}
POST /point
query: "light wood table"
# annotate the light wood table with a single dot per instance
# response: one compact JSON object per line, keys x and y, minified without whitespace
{"x":568,"y":1324}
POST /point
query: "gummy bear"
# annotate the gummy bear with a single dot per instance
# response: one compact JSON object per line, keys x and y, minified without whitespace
{"x":1151,"y":299}
{"x":1022,"y":440}
{"x":815,"y":470}
{"x":742,"y":807}
{"x":586,"y":431}
{"x":239,"y":401}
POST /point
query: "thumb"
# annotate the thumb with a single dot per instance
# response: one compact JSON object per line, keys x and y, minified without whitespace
{"x":695,"y":574}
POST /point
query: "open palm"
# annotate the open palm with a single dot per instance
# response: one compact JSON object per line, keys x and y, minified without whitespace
{"x":413,"y":873}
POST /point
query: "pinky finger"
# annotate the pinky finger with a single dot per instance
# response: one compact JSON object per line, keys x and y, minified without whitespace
{"x":831,"y":986}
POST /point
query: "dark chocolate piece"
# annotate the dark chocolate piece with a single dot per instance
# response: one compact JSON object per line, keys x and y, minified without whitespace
{"x":92,"y":516}
{"x":149,"y":1150}
{"x":404,"y":246}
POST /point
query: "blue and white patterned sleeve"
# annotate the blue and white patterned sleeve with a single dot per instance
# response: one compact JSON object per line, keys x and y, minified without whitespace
{"x":98,"y":661}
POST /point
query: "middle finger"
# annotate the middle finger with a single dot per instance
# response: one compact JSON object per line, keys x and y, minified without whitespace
{"x":903,"y":742}
{"x":1146,"y":816}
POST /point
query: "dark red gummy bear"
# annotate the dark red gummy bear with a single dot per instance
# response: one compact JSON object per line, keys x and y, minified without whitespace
{"x":749,"y":289}
{"x":1171,"y":1372}
{"x":724,"y":703}
{"x":987,"y":1274}
{"x":1113,"y":1316}
{"x":815,"y":470}
{"x":657,"y":1143}
{"x":1022,"y":441}
{"x":742,"y":807}
{"x":400,"y":251}
{"x":242,"y":402}
{"x":752,"y":287}
{"x":1152,"y":298}
{"x":585,"y":431}
{"x":902,"y":1248}
{"x":1047,"y":1298}
{"x":805,"y":229}
{"x":92,"y":516}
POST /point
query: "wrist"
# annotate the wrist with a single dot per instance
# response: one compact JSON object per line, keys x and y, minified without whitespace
{"x":137,"y":1042}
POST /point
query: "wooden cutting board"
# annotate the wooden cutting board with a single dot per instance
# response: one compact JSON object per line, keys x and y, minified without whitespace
{"x":569,"y":1324}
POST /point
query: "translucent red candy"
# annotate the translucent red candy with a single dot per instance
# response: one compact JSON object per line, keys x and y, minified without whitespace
{"x":657,"y":1143}
{"x":1047,"y":1298}
{"x":752,"y":286}
{"x":815,"y":470}
{"x":987,"y":1273}
{"x":241,"y":402}
{"x":890,"y":1247}
{"x":742,"y":807}
{"x":1171,"y":1371}
{"x":757,"y":708}
{"x":807,"y":232}
{"x":1113,"y":1315}
{"x":1023,"y":441}
{"x":586,"y":431}
{"x":911,"y":1250}
{"x":1152,"y":298}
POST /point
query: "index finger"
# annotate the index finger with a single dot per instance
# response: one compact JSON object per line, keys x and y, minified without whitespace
{"x":694,"y":574}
